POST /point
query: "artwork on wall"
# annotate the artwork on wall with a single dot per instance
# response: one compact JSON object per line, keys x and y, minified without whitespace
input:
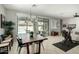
{"x":72,"y":26}
{"x":69,"y":26}
{"x":2,"y":18}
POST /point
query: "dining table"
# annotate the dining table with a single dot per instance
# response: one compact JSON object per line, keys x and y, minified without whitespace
{"x":36,"y":41}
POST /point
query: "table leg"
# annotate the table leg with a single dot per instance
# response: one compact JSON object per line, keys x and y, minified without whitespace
{"x":39,"y":48}
{"x":27,"y":45}
{"x":7,"y":49}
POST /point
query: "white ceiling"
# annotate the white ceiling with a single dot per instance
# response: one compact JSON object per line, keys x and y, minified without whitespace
{"x":50,"y":10}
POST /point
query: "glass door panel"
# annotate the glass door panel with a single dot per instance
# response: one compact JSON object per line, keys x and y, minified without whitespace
{"x":25,"y":27}
{"x":43,"y":27}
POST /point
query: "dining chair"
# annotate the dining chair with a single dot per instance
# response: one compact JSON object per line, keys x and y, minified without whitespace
{"x":20,"y":45}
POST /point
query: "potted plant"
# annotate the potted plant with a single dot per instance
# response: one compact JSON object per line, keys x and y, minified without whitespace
{"x":8,"y":26}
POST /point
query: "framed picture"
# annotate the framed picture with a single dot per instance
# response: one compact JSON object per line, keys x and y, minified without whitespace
{"x":2,"y":19}
{"x":72,"y":25}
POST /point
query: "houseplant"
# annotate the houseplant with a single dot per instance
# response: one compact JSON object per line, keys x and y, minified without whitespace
{"x":8,"y":26}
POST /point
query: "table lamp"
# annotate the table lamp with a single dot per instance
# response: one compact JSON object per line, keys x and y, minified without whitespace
{"x":1,"y":33}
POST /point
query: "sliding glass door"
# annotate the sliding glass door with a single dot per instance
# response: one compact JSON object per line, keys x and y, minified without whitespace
{"x":24,"y":26}
{"x":33,"y":27}
{"x":43,"y":26}
{"x":21,"y":27}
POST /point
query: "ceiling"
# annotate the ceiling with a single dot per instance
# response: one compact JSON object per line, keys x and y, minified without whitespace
{"x":49,"y":10}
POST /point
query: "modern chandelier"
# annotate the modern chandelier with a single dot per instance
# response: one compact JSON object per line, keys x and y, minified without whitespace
{"x":31,"y":8}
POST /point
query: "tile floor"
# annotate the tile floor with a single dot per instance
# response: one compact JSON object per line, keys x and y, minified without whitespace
{"x":49,"y":48}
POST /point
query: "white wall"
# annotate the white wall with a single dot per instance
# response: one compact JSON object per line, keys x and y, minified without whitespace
{"x":54,"y":25}
{"x":11,"y":16}
{"x":2,"y":11}
{"x":72,"y":21}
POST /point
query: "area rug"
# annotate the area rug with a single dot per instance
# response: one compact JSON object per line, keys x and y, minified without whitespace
{"x":66,"y":47}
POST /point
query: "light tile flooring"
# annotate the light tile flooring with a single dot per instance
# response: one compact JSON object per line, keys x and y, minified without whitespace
{"x":49,"y":48}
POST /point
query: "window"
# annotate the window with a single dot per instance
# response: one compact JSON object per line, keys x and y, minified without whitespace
{"x":40,"y":26}
{"x":21,"y":27}
{"x":24,"y":26}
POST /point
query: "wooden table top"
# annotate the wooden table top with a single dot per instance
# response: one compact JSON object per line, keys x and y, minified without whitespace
{"x":30,"y":41}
